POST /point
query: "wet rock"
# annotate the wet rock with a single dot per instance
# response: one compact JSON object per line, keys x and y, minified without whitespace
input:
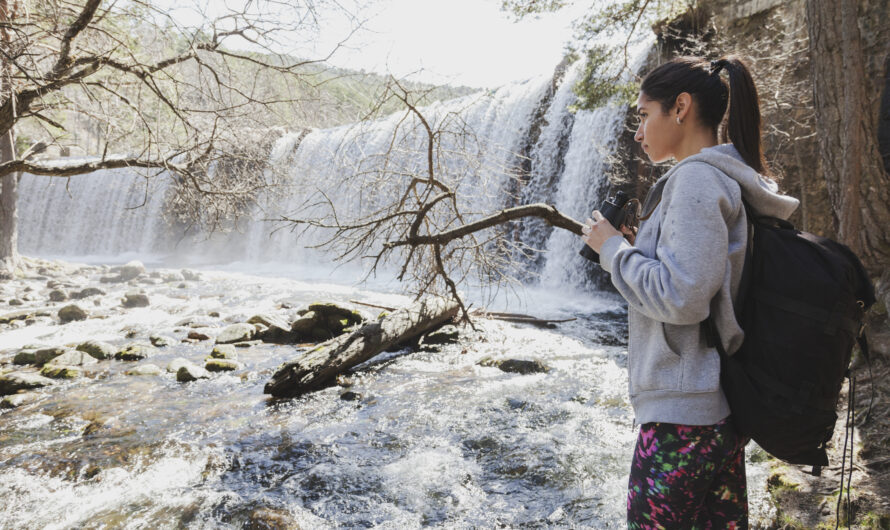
{"x":22,"y":315}
{"x":303,"y":325}
{"x":55,"y":371}
{"x":13,"y":382}
{"x":160,"y":341}
{"x":135,"y":299}
{"x":71,"y":312}
{"x":177,"y":363}
{"x":73,"y":358}
{"x":444,"y":335}
{"x":221,"y":365}
{"x":45,"y":355}
{"x":131,"y":270}
{"x":172,"y":276}
{"x":190,"y":372}
{"x":214,"y":314}
{"x":16,"y":301}
{"x":236,"y":333}
{"x":516,"y":366}
{"x":145,"y":369}
{"x":190,"y":276}
{"x":270,"y":519}
{"x":25,"y":357}
{"x":86,"y":293}
{"x":247,"y":344}
{"x":57,"y":295}
{"x":350,"y":396}
{"x":224,"y":351}
{"x":17,"y":400}
{"x":99,"y":350}
{"x":195,"y":335}
{"x":134,"y":352}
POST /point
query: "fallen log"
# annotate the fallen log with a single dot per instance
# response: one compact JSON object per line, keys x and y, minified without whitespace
{"x":319,"y":367}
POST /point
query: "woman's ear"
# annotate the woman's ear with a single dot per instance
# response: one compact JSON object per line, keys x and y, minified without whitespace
{"x":682,"y":106}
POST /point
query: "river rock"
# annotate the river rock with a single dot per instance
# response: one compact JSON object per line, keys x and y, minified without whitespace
{"x":276,"y":329}
{"x":305,"y":323}
{"x":236,"y":333}
{"x":99,"y":350}
{"x":134,"y":352}
{"x":71,"y":312}
{"x":135,"y":299}
{"x":13,"y":382}
{"x":160,"y":341}
{"x":444,"y":335}
{"x":73,"y":358}
{"x":177,"y":363}
{"x":516,"y":366}
{"x":334,"y":313}
{"x":221,"y":365}
{"x":145,"y":369}
{"x":224,"y":351}
{"x":190,"y":276}
{"x":25,"y":357}
{"x":17,"y":400}
{"x":190,"y":372}
{"x":57,"y":295}
{"x":85,"y":293}
{"x":172,"y":276}
{"x":271,"y":519}
{"x":45,"y":355}
{"x":56,"y":371}
{"x":195,"y":335}
{"x":131,"y":270}
{"x":16,"y":301}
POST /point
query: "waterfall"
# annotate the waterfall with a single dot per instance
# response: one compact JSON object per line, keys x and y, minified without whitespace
{"x":527,"y":146}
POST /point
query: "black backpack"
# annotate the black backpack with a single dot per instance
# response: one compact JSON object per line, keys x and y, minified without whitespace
{"x":801,"y":304}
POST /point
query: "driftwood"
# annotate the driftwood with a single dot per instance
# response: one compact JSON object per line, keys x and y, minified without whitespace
{"x":492,"y":315}
{"x":319,"y":367}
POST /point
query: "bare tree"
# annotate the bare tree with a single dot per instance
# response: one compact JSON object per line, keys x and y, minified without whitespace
{"x":162,"y":95}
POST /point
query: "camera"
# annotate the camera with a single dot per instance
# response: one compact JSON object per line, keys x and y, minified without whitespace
{"x":613,"y":209}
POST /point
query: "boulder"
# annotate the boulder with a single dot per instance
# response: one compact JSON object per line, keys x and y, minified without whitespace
{"x":236,"y":333}
{"x":190,"y":372}
{"x":304,"y":325}
{"x":177,"y":363}
{"x":195,"y":335}
{"x":134,"y":352}
{"x":275,"y":330}
{"x":160,"y":341}
{"x":45,"y":355}
{"x":71,"y":312}
{"x":17,"y":400}
{"x":99,"y":350}
{"x":16,"y":315}
{"x":25,"y":357}
{"x":145,"y":369}
{"x":135,"y":299}
{"x":86,"y":293}
{"x":13,"y":382}
{"x":56,"y":371}
{"x":224,"y":351}
{"x":222,"y":365}
{"x":73,"y":358}
{"x":335,"y":313}
{"x":444,"y":335}
{"x":130,"y":271}
{"x":516,"y":366}
{"x":57,"y":295}
{"x":16,"y":301}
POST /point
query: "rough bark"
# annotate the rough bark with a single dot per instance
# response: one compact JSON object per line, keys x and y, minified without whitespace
{"x":319,"y":367}
{"x":9,"y":257}
{"x":847,"y":130}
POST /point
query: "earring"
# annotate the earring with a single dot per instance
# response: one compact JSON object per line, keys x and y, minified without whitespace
{"x":678,"y":121}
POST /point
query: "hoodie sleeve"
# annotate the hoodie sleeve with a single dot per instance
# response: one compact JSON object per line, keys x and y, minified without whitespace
{"x":677,"y":285}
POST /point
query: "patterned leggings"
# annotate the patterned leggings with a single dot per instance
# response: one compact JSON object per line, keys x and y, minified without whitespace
{"x":688,"y":476}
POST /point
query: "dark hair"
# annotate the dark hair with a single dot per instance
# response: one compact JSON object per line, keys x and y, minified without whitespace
{"x":711,"y":93}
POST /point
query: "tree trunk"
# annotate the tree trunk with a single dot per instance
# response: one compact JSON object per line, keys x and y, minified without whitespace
{"x":319,"y":367}
{"x":858,"y":186}
{"x":9,"y":257}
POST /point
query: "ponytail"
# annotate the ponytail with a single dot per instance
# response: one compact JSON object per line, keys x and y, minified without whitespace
{"x":702,"y":80}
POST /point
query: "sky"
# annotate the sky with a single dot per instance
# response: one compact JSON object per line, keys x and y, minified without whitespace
{"x":459,"y":42}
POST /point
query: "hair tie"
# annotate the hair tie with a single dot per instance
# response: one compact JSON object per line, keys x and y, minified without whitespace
{"x":716,"y":66}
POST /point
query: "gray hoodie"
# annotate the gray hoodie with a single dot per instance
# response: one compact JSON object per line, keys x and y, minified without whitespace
{"x":686,"y":264}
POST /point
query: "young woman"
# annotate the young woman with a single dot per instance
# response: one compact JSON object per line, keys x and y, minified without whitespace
{"x":684,"y":264}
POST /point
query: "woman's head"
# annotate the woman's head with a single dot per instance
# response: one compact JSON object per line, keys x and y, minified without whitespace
{"x":691,"y":91}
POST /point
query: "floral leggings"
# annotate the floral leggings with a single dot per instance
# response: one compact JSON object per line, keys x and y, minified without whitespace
{"x":688,"y":476}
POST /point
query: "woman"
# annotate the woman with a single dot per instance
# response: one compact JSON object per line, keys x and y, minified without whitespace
{"x":685,"y":264}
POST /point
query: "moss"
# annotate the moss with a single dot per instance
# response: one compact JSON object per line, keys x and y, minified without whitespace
{"x":779,"y":480}
{"x":61,"y":372}
{"x":875,"y":521}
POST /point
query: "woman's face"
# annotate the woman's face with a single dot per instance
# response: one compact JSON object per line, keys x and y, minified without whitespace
{"x":658,"y":131}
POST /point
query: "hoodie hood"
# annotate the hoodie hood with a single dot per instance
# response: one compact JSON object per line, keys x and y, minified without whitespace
{"x":761,"y":193}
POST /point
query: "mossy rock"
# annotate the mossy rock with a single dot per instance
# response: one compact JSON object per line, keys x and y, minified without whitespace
{"x":444,"y":335}
{"x":73,"y":358}
{"x":99,"y":350}
{"x":134,"y":352}
{"x":304,"y":325}
{"x":72,"y":312}
{"x":177,"y":363}
{"x":25,"y":357}
{"x":45,"y":355}
{"x":135,"y":299}
{"x":85,"y":293}
{"x":221,"y":365}
{"x":516,"y":366}
{"x":17,"y":400}
{"x":236,"y":333}
{"x":160,"y":341}
{"x":56,"y":371}
{"x":145,"y":369}
{"x":58,"y":295}
{"x":15,"y":381}
{"x":190,"y":372}
{"x":329,"y":309}
{"x":224,"y":351}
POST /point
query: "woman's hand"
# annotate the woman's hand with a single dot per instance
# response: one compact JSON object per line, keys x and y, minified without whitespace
{"x":597,"y":230}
